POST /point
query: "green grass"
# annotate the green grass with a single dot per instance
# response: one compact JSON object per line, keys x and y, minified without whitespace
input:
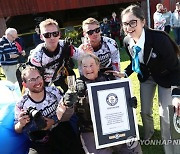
{"x":147,"y":149}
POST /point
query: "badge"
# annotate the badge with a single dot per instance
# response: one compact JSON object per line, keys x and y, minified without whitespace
{"x":153,"y":55}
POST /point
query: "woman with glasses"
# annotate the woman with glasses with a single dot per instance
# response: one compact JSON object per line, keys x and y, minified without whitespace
{"x":153,"y":57}
{"x":104,"y":48}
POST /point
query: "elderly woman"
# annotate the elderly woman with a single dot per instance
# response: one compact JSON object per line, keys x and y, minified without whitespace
{"x":90,"y":66}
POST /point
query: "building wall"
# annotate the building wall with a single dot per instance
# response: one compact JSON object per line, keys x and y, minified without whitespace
{"x":21,"y":7}
{"x":170,"y":4}
{"x":3,"y":26}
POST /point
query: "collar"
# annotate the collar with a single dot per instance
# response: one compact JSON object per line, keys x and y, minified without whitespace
{"x":99,"y":78}
{"x":99,"y":46}
{"x":51,"y":54}
{"x":8,"y":40}
{"x":140,"y":42}
{"x":37,"y":102}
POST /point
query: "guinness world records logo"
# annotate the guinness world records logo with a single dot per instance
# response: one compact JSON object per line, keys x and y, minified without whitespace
{"x":111,"y":99}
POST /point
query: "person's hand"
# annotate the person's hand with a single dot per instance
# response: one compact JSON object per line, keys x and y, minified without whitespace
{"x":68,"y":41}
{"x":70,"y":98}
{"x":23,"y":118}
{"x":86,"y":47}
{"x":13,"y":55}
{"x":64,"y":113}
{"x":133,"y":102}
{"x":176,"y":103}
{"x":23,"y":53}
{"x":116,"y":73}
{"x":60,"y":110}
{"x":80,"y":88}
{"x":49,"y":123}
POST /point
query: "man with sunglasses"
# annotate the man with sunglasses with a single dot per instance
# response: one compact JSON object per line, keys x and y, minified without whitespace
{"x":104,"y":48}
{"x":53,"y":57}
{"x":9,"y":54}
{"x":42,"y":115}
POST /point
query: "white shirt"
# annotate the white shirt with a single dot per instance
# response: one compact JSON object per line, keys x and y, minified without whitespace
{"x":139,"y":43}
{"x":159,"y":21}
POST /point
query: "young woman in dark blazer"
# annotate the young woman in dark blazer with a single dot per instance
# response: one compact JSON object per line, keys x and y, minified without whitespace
{"x":156,"y":63}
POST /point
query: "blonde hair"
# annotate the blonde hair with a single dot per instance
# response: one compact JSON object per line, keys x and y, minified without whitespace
{"x":48,"y":22}
{"x":90,"y":21}
{"x":158,"y":5}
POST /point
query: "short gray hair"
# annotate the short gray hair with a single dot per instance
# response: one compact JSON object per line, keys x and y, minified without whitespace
{"x":10,"y":31}
{"x":88,"y":55}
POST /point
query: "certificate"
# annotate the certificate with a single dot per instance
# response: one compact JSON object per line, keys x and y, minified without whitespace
{"x":114,"y":120}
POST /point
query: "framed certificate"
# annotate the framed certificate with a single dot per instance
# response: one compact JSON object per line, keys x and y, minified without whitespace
{"x":114,"y":120}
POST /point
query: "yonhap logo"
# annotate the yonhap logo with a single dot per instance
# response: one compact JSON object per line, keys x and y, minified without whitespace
{"x":111,"y":99}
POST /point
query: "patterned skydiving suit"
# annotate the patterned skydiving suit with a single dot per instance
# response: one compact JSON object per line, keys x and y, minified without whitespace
{"x":40,"y":57}
{"x":61,"y":137}
{"x":47,"y":106}
{"x":108,"y":53}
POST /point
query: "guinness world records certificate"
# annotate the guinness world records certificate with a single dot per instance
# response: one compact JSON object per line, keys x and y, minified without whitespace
{"x":114,"y":120}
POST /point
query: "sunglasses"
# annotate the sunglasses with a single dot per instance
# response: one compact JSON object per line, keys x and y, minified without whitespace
{"x":132,"y":23}
{"x":90,"y":32}
{"x":48,"y":34}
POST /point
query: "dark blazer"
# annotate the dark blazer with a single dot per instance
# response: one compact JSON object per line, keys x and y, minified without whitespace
{"x":160,"y":59}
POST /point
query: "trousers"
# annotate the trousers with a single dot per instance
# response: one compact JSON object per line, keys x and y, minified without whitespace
{"x":10,"y":72}
{"x":147,"y":92}
{"x":177,"y":35}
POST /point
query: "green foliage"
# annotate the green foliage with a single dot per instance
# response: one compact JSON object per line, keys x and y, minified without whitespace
{"x":74,"y":34}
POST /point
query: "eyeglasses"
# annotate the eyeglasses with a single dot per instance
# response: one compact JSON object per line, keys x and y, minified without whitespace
{"x":90,"y":32}
{"x":132,"y":23}
{"x":48,"y":34}
{"x":32,"y":80}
